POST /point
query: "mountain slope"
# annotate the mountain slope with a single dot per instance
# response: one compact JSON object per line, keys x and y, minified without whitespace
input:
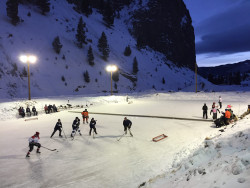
{"x":54,"y":75}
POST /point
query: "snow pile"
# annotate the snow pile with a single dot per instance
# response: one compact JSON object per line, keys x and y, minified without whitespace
{"x":221,"y":161}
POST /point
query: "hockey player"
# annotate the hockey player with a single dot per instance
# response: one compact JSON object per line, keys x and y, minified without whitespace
{"x":75,"y":127}
{"x":34,"y":141}
{"x":85,"y":115}
{"x":58,"y":127}
{"x":127,"y":124}
{"x":92,"y":126}
{"x":204,"y":108}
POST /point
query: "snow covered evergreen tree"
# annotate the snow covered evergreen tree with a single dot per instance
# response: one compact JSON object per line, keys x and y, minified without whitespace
{"x":103,"y":46}
{"x":57,"y":45}
{"x":80,"y":35}
{"x":91,"y":56}
{"x":12,"y":11}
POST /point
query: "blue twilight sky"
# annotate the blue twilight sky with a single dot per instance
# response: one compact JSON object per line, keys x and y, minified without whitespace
{"x":222,"y":30}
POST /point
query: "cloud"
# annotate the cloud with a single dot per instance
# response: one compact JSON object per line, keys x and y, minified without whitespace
{"x":226,"y":32}
{"x":230,"y":41}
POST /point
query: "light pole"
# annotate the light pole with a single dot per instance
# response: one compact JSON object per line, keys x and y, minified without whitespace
{"x":111,"y":69}
{"x":28,"y":59}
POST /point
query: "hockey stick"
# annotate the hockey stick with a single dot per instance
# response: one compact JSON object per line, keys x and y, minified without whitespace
{"x":48,"y":148}
{"x":130,"y":133}
{"x":120,"y":137}
{"x":64,"y":134}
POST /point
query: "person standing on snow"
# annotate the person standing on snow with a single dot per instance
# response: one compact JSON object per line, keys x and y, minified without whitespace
{"x":127,"y":124}
{"x":75,"y":127}
{"x":85,"y":115}
{"x":92,"y":126}
{"x":214,"y":110}
{"x":34,"y":141}
{"x":58,"y":127}
{"x":213,"y":105}
{"x":204,"y":108}
{"x":220,"y":102}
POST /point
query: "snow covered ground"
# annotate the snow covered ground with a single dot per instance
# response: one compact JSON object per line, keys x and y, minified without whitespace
{"x":180,"y":160}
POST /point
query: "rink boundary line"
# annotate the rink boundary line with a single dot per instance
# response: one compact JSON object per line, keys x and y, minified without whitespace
{"x":147,"y":116}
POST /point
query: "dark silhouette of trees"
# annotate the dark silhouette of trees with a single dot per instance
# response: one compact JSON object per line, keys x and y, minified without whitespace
{"x":12,"y":11}
{"x":57,"y":45}
{"x":86,"y":76}
{"x":127,"y":51}
{"x":108,"y":14}
{"x":91,"y":56}
{"x":80,"y":35}
{"x":103,"y":46}
{"x":44,"y":6}
{"x":135,"y":66}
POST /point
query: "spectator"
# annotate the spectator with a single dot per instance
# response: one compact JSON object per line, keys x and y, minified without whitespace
{"x":34,"y":111}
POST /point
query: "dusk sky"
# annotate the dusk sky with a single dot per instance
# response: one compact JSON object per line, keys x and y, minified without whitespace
{"x":222,"y":30}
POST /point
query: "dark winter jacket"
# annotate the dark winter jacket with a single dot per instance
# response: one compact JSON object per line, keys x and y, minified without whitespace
{"x":58,"y":125}
{"x":33,"y":109}
{"x":76,"y":123}
{"x":204,"y":108}
{"x":92,"y":124}
{"x":127,"y":123}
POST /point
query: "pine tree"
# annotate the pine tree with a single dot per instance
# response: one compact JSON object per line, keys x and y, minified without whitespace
{"x":80,"y":35}
{"x":57,"y":45}
{"x":108,"y":14}
{"x":91,"y":56}
{"x":24,"y":72}
{"x":103,"y":46}
{"x":163,"y":81}
{"x":12,"y":11}
{"x":135,"y":66}
{"x":44,"y":6}
{"x":127,"y":51}
{"x":86,"y":76}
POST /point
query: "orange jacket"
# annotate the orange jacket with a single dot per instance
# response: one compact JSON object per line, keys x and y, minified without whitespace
{"x":227,"y":114}
{"x":85,"y":114}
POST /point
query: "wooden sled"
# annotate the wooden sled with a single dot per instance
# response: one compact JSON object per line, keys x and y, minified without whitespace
{"x":35,"y":118}
{"x":158,"y":138}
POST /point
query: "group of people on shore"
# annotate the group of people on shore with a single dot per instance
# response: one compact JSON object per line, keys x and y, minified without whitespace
{"x":226,"y":117}
{"x":49,"y":109}
{"x":22,"y":112}
{"x":34,"y":140}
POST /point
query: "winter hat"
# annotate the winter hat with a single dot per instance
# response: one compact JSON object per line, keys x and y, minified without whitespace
{"x":37,"y":133}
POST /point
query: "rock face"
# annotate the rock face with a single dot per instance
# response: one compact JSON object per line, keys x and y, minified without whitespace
{"x":166,"y":26}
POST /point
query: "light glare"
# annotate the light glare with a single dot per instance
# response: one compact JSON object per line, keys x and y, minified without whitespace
{"x":23,"y":58}
{"x":111,"y":68}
